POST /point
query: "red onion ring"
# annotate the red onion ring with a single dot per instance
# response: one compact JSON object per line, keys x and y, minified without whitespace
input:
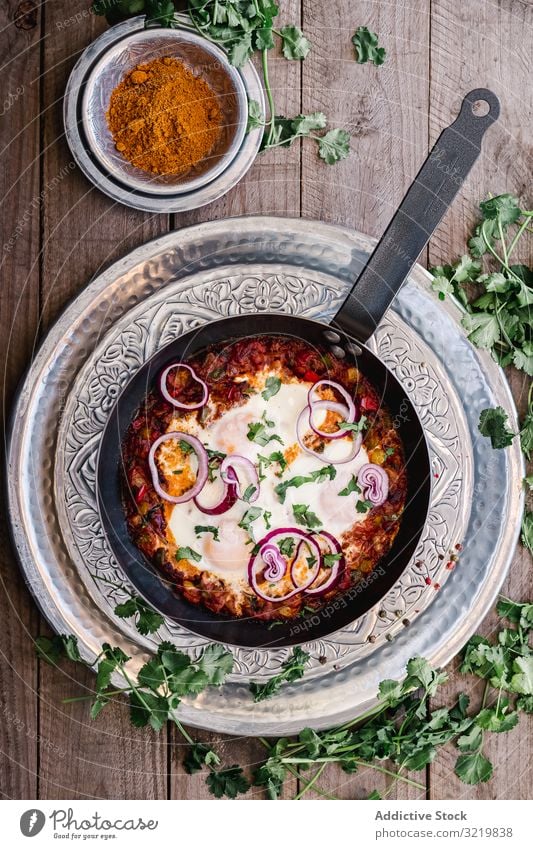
{"x":316,"y":568}
{"x":357,"y":440}
{"x":171,"y":400}
{"x":228,"y":499}
{"x":374,"y":482}
{"x":256,"y":561}
{"x":236,"y":460}
{"x":342,"y":392}
{"x":201,"y":474}
{"x":335,"y":571}
{"x":276,"y":563}
{"x":342,"y":409}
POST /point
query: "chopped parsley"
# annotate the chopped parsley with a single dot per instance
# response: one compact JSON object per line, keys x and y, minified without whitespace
{"x":206,"y":529}
{"x":305,"y":516}
{"x":324,"y":473}
{"x":265,"y":462}
{"x":250,"y":516}
{"x":257,"y":432}
{"x":272,"y":387}
{"x":214,"y":460}
{"x":185,"y":448}
{"x":363,"y":506}
{"x":355,"y":427}
{"x":187,"y":553}
{"x":330,"y":559}
{"x":352,"y":486}
{"x":248,"y":492}
{"x":286,"y":546}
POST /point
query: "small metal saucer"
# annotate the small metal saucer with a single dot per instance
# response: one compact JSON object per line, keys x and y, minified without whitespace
{"x":103,"y":65}
{"x":207,"y":61}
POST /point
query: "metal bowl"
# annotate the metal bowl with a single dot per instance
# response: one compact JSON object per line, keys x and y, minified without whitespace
{"x":202,"y":57}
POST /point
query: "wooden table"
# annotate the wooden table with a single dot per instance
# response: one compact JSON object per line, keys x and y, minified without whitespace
{"x":59,"y":231}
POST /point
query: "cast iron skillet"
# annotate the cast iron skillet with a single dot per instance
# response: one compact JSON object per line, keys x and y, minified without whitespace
{"x":425,"y":203}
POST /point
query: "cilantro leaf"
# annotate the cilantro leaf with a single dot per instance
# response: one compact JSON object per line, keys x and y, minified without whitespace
{"x":56,"y":648}
{"x":147,"y":620}
{"x":473,"y":768}
{"x":207,"y":529}
{"x":286,"y":546}
{"x":257,"y":432}
{"x":334,"y":146}
{"x":229,"y":782}
{"x":324,"y":473}
{"x":493,"y":424}
{"x":292,"y":669}
{"x":527,"y":531}
{"x":184,"y":552}
{"x":305,"y":516}
{"x":275,"y":457}
{"x":294,"y":43}
{"x":482,"y":328}
{"x":199,"y":755}
{"x":366,"y":47}
{"x":255,"y":116}
{"x":351,"y":486}
{"x":250,"y":516}
{"x":272,"y":387}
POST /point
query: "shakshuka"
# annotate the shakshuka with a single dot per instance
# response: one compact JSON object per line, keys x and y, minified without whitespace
{"x":263,"y":478}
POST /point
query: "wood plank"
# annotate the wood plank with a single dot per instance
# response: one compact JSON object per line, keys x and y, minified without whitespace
{"x":84,"y":231}
{"x":19,"y":311}
{"x":385,"y":110}
{"x":489,"y":45}
{"x":271,"y":187}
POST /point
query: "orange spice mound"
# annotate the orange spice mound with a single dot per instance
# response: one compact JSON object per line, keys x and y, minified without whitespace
{"x":163,"y":118}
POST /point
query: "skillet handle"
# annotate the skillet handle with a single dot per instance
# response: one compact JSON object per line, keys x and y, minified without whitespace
{"x":418,"y":216}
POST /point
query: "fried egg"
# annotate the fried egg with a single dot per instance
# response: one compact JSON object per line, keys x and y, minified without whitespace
{"x":226,"y":552}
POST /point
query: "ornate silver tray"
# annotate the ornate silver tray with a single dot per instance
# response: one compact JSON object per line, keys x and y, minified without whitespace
{"x":258,"y":264}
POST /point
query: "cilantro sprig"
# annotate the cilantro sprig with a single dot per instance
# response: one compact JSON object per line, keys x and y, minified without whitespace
{"x":498,"y":315}
{"x":403,"y":729}
{"x":292,"y":669}
{"x":494,"y":424}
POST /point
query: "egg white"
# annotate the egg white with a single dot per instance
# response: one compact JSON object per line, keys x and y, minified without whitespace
{"x":228,"y":557}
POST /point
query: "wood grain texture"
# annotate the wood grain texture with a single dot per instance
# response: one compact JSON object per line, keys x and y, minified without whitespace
{"x":19,"y":309}
{"x":271,"y":187}
{"x":385,"y":110}
{"x":69,"y":231}
{"x":486,"y":44}
{"x":83,"y":231}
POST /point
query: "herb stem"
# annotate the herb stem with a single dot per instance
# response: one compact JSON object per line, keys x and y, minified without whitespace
{"x":270,"y":98}
{"x":363,"y":764}
{"x":305,"y":789}
{"x":182,"y":731}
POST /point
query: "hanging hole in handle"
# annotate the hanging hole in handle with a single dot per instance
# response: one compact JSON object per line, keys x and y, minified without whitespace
{"x":480,"y":108}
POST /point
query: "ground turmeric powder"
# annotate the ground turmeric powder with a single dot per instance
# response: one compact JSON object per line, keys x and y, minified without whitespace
{"x":163,"y":118}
